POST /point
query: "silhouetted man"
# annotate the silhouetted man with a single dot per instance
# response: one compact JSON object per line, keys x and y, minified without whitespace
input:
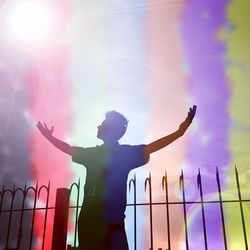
{"x":101,"y":220}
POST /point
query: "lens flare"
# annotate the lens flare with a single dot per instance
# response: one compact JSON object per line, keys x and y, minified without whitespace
{"x":29,"y":22}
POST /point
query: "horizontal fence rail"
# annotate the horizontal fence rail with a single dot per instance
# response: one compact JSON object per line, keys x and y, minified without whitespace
{"x":19,"y":205}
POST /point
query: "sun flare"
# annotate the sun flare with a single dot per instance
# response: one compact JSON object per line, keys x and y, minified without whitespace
{"x":29,"y":22}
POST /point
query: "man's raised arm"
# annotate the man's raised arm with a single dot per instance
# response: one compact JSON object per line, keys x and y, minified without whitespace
{"x":164,"y":141}
{"x":47,"y":133}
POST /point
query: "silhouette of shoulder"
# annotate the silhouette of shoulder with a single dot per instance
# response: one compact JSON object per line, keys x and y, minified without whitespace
{"x":130,"y":156}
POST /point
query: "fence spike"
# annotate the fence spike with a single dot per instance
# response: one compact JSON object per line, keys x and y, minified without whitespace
{"x":217,"y":175}
{"x":164,"y":180}
{"x":218,"y":178}
{"x":236,"y":171}
{"x":148,"y":180}
{"x":79,"y":182}
{"x":181,"y":179}
{"x":199,"y":178}
{"x":37,"y":192}
{"x":145,"y":184}
{"x":130,"y":183}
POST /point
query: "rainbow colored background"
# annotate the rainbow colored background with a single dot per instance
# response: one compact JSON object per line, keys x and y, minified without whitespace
{"x":151,"y":61}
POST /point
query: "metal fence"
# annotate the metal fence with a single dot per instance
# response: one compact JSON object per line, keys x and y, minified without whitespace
{"x":16,"y":235}
{"x":167,"y":203}
{"x":16,"y":209}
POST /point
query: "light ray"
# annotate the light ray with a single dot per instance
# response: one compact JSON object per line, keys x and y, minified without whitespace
{"x":15,"y":83}
{"x":42,"y":90}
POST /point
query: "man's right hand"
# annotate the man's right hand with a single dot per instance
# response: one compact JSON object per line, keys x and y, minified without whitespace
{"x":45,"y":131}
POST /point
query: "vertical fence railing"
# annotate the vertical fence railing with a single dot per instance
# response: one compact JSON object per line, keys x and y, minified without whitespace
{"x":165,"y":186}
{"x":47,"y":189}
{"x":221,"y":209}
{"x":30,"y":196}
{"x":199,"y":183}
{"x":33,"y":213}
{"x":241,"y":207}
{"x":182,"y":187}
{"x":133,"y":181}
{"x":148,"y":181}
{"x":13,"y":192}
{"x":77,"y":207}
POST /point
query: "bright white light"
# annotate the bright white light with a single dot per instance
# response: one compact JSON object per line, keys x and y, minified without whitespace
{"x":29,"y":22}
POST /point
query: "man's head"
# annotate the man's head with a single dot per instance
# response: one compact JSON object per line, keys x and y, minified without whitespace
{"x":113,"y":127}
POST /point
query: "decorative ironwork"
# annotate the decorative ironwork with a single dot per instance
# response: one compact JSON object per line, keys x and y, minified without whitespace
{"x":32,"y":194}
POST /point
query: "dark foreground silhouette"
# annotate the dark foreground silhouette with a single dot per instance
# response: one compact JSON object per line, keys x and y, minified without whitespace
{"x":101,"y":220}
